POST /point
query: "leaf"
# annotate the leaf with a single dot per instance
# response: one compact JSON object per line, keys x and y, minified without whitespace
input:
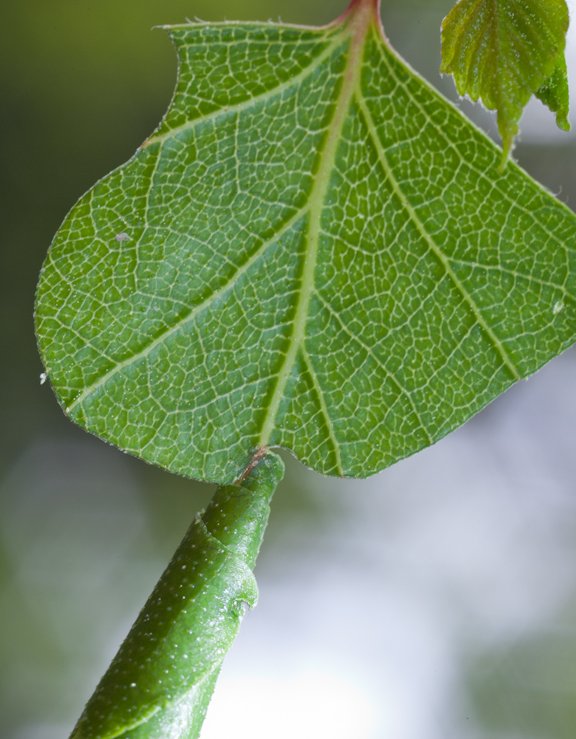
{"x":314,"y":251}
{"x":160,"y":682}
{"x":554,"y":93}
{"x":504,"y":51}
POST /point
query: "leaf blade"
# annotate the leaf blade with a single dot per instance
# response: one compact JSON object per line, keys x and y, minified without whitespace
{"x":430,"y":286}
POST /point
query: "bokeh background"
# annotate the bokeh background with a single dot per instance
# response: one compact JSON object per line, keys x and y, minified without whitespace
{"x":436,"y":600}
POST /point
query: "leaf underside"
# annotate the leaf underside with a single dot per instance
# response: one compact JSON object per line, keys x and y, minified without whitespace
{"x":505,"y":51}
{"x":314,"y":251}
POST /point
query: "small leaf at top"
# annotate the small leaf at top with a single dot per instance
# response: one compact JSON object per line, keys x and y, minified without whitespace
{"x":554,"y":94}
{"x":315,"y":251}
{"x":505,"y":51}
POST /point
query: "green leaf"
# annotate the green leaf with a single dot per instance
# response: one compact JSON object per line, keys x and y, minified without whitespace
{"x":315,"y":251}
{"x":503,"y":52}
{"x":554,"y":93}
{"x":160,"y":682}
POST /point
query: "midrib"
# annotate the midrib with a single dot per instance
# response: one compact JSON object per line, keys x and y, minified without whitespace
{"x":358,"y":26}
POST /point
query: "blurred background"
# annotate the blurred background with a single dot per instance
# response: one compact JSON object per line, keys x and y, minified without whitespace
{"x":436,"y":600}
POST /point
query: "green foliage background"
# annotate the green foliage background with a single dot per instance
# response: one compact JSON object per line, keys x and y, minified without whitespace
{"x":82,"y":83}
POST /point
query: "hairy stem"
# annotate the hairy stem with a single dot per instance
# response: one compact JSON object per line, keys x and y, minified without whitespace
{"x":161,"y":681}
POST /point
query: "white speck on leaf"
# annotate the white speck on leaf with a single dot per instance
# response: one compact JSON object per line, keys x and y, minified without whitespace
{"x":558,"y":307}
{"x":43,"y":377}
{"x":122,"y":237}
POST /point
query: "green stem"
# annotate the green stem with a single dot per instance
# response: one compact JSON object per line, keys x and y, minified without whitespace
{"x":160,"y":683}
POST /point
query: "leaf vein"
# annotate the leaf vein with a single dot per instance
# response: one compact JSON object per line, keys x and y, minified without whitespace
{"x":432,"y":245}
{"x":368,"y":349}
{"x":267,"y":95}
{"x":494,"y":184}
{"x":324,"y":409}
{"x":191,"y":315}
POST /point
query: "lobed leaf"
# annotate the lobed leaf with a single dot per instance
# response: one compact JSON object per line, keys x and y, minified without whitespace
{"x":505,"y":51}
{"x":315,"y":251}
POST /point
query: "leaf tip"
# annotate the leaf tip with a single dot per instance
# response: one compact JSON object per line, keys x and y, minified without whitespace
{"x":562,"y":122}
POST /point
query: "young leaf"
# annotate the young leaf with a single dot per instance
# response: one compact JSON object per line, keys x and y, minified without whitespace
{"x":315,"y":250}
{"x":161,"y":680}
{"x":554,"y":93}
{"x":503,"y":52}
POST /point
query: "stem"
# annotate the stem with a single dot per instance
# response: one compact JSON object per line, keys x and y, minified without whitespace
{"x":160,"y":683}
